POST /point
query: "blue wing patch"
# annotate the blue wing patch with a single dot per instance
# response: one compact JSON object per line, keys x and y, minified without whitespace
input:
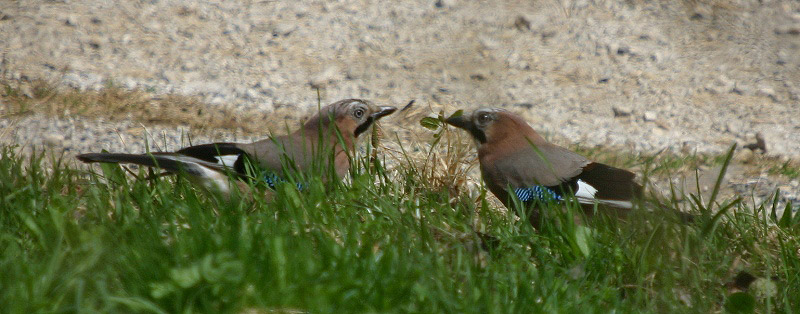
{"x":273,"y":179}
{"x":537,"y":193}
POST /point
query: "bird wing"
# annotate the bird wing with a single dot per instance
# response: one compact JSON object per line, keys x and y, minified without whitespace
{"x":545,"y":165}
{"x":304,"y":149}
{"x":266,"y":153}
{"x":531,"y":178}
{"x":223,"y":154}
{"x":272,"y":153}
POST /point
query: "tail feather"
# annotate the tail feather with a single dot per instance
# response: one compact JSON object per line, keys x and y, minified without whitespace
{"x":205,"y":173}
{"x":212,"y":152}
{"x":611,"y":184}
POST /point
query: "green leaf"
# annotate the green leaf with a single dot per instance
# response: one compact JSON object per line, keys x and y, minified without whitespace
{"x":458,"y":113}
{"x":161,"y":289}
{"x":786,"y":218}
{"x":740,"y":302}
{"x":582,"y":235}
{"x":186,"y":277}
{"x":430,"y":123}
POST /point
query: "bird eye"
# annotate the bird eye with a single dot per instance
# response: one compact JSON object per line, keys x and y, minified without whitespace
{"x":358,"y":113}
{"x":483,"y":118}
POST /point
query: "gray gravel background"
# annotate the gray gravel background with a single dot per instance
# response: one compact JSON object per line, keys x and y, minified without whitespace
{"x":647,"y":75}
{"x":698,"y":73}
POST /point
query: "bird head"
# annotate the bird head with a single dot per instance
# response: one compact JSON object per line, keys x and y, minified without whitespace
{"x":494,"y":125}
{"x":352,"y":117}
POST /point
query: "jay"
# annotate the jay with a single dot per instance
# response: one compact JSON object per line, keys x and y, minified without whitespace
{"x":325,"y":140}
{"x":515,"y":161}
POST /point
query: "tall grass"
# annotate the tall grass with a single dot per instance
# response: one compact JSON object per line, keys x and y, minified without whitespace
{"x":386,"y":241}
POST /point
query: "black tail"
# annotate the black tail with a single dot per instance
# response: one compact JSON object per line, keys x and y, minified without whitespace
{"x":611,"y":183}
{"x":168,"y":161}
{"x":210,"y":152}
{"x":207,"y":174}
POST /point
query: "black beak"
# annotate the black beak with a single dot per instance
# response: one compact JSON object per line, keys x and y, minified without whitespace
{"x":463,"y":122}
{"x":460,"y":122}
{"x":383,"y":111}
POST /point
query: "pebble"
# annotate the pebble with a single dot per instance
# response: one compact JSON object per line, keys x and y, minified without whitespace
{"x":284,"y":29}
{"x":721,"y":85}
{"x":766,"y":90}
{"x":788,"y":30}
{"x":71,"y":21}
{"x":445,"y":3}
{"x":649,"y":116}
{"x":622,"y":111}
{"x":734,"y":127}
{"x":488,"y":42}
{"x":53,"y":139}
{"x":743,"y":156}
{"x":327,"y":76}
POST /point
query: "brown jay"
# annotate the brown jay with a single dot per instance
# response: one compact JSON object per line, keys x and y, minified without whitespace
{"x":325,"y":140}
{"x":516,"y":162}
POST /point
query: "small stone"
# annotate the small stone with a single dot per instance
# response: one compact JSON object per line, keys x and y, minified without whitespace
{"x":478,"y":76}
{"x":26,"y":91}
{"x":284,"y":29}
{"x":189,"y":66}
{"x":788,"y":30}
{"x":488,"y":42}
{"x":329,"y":75}
{"x":72,"y":80}
{"x":701,"y":10}
{"x":71,"y":21}
{"x":760,"y":144}
{"x":650,"y":116}
{"x":622,"y":111}
{"x":444,"y":3}
{"x":765,"y":90}
{"x":743,"y":156}
{"x":742,"y":88}
{"x":721,"y":85}
{"x":734,"y":126}
{"x":128,"y":83}
{"x":217,"y":100}
{"x":663,"y":124}
{"x":251,"y":94}
{"x":53,"y":139}
{"x":521,"y":23}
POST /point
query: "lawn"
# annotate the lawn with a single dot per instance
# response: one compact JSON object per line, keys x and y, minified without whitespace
{"x":79,"y":239}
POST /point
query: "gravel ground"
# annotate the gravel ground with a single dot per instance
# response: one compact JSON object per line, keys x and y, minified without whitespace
{"x":677,"y":75}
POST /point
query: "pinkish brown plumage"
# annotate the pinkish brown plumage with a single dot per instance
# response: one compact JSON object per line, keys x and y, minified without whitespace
{"x":324,"y":140}
{"x":515,"y":161}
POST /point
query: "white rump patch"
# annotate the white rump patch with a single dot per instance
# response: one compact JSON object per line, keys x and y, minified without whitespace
{"x":227,"y":160}
{"x":203,"y":173}
{"x":585,"y":190}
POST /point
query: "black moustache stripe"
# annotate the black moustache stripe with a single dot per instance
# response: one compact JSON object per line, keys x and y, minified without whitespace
{"x":364,"y":126}
{"x":478,"y":134}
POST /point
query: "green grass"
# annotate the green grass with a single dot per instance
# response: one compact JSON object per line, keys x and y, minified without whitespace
{"x":74,"y":241}
{"x":786,"y":169}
